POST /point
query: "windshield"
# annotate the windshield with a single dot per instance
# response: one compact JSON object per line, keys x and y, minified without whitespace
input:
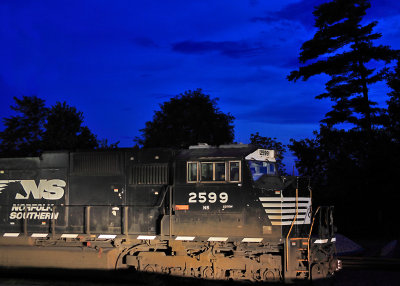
{"x":259,"y":168}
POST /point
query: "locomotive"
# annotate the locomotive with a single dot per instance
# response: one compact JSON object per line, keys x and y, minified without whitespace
{"x":208,"y":212}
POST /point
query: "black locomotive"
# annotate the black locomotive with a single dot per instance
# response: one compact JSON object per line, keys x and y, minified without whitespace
{"x":209,"y":212}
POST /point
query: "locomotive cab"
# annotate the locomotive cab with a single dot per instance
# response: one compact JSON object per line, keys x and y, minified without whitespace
{"x":234,"y":193}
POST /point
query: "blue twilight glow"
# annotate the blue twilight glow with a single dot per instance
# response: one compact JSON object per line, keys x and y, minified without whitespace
{"x":116,"y":61}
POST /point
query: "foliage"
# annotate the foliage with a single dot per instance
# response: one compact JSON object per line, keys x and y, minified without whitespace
{"x":271,"y":144}
{"x":64,"y":130}
{"x":188,"y":119}
{"x":343,"y":49}
{"x":329,"y":155}
{"x":36,"y":128}
{"x":360,"y":185}
{"x":23,"y":132}
{"x":393,"y":123}
{"x":356,"y":170}
{"x":104,"y":145}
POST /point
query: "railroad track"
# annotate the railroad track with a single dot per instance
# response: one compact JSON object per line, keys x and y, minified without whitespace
{"x":392,"y":264}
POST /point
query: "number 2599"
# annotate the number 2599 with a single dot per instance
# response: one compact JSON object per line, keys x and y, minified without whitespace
{"x":211,"y":197}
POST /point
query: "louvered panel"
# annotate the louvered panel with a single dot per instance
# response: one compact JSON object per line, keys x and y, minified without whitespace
{"x":96,"y":164}
{"x":149,"y":174}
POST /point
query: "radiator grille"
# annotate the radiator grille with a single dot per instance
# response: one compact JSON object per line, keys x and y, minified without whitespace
{"x":149,"y":174}
{"x":97,"y":164}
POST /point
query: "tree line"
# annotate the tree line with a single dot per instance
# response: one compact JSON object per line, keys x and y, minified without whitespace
{"x":186,"y":119}
{"x":36,"y":128}
{"x":356,"y":167}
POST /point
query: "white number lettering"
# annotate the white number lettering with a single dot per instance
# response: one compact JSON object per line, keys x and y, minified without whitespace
{"x":192,"y":197}
{"x":212,"y":197}
{"x":202,"y":198}
{"x":223,"y":197}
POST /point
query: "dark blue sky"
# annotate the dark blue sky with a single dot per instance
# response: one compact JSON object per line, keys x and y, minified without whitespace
{"x":116,"y":61}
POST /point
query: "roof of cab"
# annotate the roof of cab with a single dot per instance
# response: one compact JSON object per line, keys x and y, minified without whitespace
{"x":205,"y":152}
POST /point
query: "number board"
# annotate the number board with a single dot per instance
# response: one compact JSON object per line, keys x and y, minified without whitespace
{"x":209,"y":201}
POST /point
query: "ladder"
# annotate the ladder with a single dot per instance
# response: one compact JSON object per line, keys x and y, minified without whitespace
{"x":297,"y":250}
{"x":297,"y":258}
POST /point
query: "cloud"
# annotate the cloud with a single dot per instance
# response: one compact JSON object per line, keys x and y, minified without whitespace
{"x":162,"y":95}
{"x":232,"y":49}
{"x":298,"y":12}
{"x":145,"y":42}
{"x":301,"y":11}
{"x":389,"y":27}
{"x":266,"y":19}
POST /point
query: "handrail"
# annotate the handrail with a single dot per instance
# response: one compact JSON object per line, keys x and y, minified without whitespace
{"x":291,"y":226}
{"x":309,"y":188}
{"x":170,"y":210}
{"x":161,"y":200}
{"x":309,"y":237}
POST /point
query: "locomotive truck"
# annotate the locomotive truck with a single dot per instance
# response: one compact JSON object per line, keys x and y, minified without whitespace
{"x":208,"y":212}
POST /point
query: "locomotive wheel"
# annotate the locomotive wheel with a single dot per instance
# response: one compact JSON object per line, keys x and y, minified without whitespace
{"x":269,"y":275}
{"x":208,"y":273}
{"x":149,"y":268}
{"x":119,"y":263}
{"x":256,"y":276}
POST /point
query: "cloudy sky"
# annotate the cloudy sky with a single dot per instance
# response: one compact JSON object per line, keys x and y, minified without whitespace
{"x":116,"y":61}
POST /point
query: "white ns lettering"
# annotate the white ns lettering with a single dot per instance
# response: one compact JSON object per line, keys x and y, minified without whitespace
{"x":211,"y":197}
{"x":47,"y":189}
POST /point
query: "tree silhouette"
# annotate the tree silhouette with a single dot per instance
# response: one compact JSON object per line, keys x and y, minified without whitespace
{"x":37,"y":128}
{"x":343,"y":49}
{"x":348,"y":167}
{"x":188,"y":119}
{"x":23,"y":132}
{"x":394,"y":104}
{"x":105,"y":145}
{"x":64,"y":129}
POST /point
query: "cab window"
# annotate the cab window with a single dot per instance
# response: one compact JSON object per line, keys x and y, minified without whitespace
{"x":208,"y":172}
{"x":234,"y":171}
{"x":219,"y":172}
{"x":192,"y":175}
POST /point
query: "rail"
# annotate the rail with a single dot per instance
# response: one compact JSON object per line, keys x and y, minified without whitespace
{"x":365,"y":262}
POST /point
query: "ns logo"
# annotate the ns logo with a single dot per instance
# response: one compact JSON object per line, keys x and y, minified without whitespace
{"x":46,"y":189}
